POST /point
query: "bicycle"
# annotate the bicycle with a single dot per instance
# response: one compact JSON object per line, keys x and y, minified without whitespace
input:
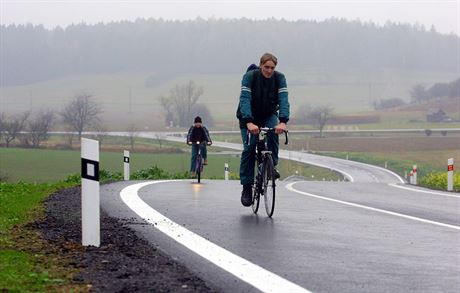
{"x":199,"y":162}
{"x":264,"y":184}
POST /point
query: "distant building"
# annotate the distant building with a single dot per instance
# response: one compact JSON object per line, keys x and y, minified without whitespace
{"x":436,"y":115}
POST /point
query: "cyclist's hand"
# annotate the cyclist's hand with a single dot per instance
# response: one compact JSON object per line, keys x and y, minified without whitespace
{"x":254,"y":129}
{"x":209,"y":143}
{"x":280,"y":128}
{"x":189,"y":142}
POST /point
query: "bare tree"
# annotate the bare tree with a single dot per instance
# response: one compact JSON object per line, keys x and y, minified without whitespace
{"x":2,"y":124}
{"x":101,"y":132}
{"x":38,"y":128}
{"x":70,"y":136}
{"x":13,"y":126}
{"x":81,"y":113}
{"x":321,"y":115}
{"x":167,"y":105}
{"x":158,"y":137}
{"x":133,"y":132}
{"x":418,"y":93}
{"x":181,"y":101}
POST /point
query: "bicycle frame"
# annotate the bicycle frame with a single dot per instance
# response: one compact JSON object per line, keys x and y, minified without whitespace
{"x":199,"y":162}
{"x":265,"y":171}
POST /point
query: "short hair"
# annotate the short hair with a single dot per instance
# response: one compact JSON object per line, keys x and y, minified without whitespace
{"x":268,"y":57}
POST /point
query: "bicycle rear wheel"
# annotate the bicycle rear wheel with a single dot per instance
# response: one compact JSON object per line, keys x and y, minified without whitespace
{"x":269,"y":185}
{"x":255,"y":200}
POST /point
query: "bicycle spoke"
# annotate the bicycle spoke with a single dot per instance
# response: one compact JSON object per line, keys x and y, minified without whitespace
{"x":269,"y":185}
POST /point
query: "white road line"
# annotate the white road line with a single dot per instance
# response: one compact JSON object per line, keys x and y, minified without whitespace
{"x":243,"y":269}
{"x":423,"y":191}
{"x":291,"y":188}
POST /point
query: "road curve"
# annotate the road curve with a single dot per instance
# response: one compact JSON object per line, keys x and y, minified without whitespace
{"x":324,"y":237}
{"x":371,"y":234}
{"x":352,"y":171}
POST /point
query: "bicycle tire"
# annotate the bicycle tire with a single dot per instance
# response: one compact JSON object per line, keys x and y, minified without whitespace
{"x":269,"y":185}
{"x":199,"y":167}
{"x":255,"y":200}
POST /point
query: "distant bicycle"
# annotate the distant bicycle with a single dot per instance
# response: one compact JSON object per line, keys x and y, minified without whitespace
{"x":266,"y":176}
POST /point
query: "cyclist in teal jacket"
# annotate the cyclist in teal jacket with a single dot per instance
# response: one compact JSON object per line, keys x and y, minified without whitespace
{"x":263,"y":103}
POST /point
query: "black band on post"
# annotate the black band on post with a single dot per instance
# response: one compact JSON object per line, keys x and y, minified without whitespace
{"x":89,"y":169}
{"x":126,"y":159}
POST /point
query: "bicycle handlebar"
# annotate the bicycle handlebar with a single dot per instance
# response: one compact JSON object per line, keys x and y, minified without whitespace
{"x":199,"y":142}
{"x":266,"y":130}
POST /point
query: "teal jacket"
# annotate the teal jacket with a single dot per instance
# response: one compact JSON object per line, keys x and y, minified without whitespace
{"x":262,"y":97}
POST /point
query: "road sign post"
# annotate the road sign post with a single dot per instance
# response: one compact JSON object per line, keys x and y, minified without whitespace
{"x":90,"y":192}
{"x":126,"y":165}
{"x":450,"y":174}
{"x":226,"y":171}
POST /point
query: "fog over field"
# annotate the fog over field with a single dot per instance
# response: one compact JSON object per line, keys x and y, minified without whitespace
{"x":358,"y":64}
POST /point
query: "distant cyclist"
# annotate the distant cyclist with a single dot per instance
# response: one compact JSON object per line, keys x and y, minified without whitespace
{"x":263,"y":103}
{"x":198,"y":132}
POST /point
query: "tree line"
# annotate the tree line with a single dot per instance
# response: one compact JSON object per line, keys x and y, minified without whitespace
{"x":164,"y":48}
{"x":82,"y":113}
{"x":31,"y":129}
{"x":420,"y":93}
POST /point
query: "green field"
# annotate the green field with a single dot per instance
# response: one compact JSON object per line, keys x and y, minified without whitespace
{"x":43,"y":165}
{"x":126,"y":99}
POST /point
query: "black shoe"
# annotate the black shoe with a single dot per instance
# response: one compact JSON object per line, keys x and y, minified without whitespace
{"x":246,"y":195}
{"x":277,"y":174}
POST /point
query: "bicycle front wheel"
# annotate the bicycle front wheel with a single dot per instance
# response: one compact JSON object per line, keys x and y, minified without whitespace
{"x":199,"y":167}
{"x":255,"y":200}
{"x":269,"y":185}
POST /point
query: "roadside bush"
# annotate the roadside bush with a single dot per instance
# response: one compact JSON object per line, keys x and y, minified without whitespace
{"x":104,"y":177}
{"x":439,"y":181}
{"x":157,"y":173}
{"x":151,"y":173}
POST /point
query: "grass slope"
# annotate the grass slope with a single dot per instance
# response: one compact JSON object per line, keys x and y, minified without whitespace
{"x":25,"y":261}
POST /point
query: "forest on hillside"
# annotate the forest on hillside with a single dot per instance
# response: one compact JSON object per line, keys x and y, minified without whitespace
{"x":167,"y":48}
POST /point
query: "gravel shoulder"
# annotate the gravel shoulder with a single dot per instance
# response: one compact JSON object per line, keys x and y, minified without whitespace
{"x":123,"y":262}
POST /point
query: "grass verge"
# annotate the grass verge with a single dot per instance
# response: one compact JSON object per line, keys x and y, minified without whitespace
{"x":27,"y":262}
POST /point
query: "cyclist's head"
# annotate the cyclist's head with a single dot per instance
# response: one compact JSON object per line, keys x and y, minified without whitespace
{"x":267,"y":64}
{"x":197,"y":119}
{"x":268,"y":57}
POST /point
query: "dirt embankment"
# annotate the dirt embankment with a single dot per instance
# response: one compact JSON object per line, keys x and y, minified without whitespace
{"x":123,"y":262}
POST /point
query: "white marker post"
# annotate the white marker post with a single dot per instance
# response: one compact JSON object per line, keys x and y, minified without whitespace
{"x":126,"y":165}
{"x":411,"y":177}
{"x":414,"y":171}
{"x":90,"y":192}
{"x":226,"y":171}
{"x":450,"y":174}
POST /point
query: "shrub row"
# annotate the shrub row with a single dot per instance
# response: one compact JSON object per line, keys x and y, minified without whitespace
{"x":151,"y":173}
{"x":438,"y":180}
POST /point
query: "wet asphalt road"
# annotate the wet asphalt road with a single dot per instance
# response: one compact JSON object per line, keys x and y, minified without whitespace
{"x":318,"y":244}
{"x":372,"y":233}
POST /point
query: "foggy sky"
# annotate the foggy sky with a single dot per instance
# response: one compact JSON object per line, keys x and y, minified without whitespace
{"x":444,"y":15}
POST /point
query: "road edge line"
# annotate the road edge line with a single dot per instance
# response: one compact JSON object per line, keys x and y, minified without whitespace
{"x":243,"y":269}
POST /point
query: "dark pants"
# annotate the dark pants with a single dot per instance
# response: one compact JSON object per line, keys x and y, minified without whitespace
{"x":204,"y":154}
{"x":248,"y":156}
